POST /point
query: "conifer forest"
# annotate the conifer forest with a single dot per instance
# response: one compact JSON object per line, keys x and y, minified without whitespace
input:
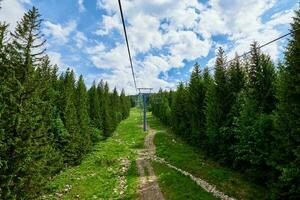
{"x":228,"y":131}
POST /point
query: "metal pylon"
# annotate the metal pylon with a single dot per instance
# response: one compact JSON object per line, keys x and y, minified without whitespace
{"x":144,"y":92}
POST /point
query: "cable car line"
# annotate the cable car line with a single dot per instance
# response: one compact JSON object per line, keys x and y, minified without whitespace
{"x":127,"y":43}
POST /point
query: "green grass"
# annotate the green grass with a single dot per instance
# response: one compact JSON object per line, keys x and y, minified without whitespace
{"x":175,"y":186}
{"x":98,"y":174}
{"x":191,"y":159}
{"x":132,"y":180}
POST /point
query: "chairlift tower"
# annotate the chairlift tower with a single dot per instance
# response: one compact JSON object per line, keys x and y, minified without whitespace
{"x":144,"y":92}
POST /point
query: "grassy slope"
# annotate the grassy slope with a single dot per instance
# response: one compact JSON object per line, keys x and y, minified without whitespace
{"x":97,"y":176}
{"x":190,"y":159}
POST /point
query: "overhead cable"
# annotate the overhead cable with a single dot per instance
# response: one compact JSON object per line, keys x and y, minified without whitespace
{"x":127,"y":43}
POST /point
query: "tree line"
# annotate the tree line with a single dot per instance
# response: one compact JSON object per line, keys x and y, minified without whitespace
{"x":47,"y":120}
{"x":246,"y":115}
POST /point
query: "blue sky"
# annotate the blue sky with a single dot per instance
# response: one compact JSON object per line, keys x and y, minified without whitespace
{"x":167,"y":37}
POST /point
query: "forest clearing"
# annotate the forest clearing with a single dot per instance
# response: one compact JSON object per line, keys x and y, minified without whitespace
{"x":149,"y":100}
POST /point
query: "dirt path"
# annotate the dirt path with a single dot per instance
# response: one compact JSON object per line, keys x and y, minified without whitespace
{"x":148,"y":188}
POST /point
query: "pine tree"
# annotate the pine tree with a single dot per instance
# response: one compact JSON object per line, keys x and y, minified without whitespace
{"x":6,"y":80}
{"x":235,"y":84}
{"x":165,"y":110}
{"x":3,"y":61}
{"x":100,"y":92}
{"x":286,"y":155}
{"x":254,"y":125}
{"x":60,"y":133}
{"x":155,"y":104}
{"x":236,"y":76}
{"x":28,"y":143}
{"x":70,"y":119}
{"x":217,"y":106}
{"x":84,"y":142}
{"x":107,"y":122}
{"x":124,"y":103}
{"x":207,"y":78}
{"x":51,"y":89}
{"x":3,"y":36}
{"x":180,"y":112}
{"x":115,"y":108}
{"x":94,"y":107}
{"x":45,"y":76}
{"x":261,"y":80}
{"x":26,"y":39}
{"x":196,"y":94}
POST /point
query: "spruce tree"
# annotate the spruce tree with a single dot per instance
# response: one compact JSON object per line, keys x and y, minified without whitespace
{"x":261,"y":80}
{"x":6,"y":80}
{"x":84,"y":142}
{"x":94,"y":107}
{"x":27,"y":39}
{"x":217,"y":106}
{"x":100,"y":92}
{"x":207,"y":78}
{"x":180,"y":112}
{"x":107,"y":113}
{"x":196,"y":89}
{"x":286,"y":155}
{"x":254,"y":124}
{"x":235,"y":84}
{"x":70,"y":119}
{"x":124,"y":105}
{"x":3,"y":36}
{"x":236,"y":76}
{"x":115,"y":108}
{"x":25,"y":127}
{"x":45,"y":76}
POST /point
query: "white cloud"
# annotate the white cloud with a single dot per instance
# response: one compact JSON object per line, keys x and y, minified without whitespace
{"x":165,"y":33}
{"x":211,"y":23}
{"x":242,"y":23}
{"x":187,"y":45}
{"x":56,"y":59}
{"x":108,"y":24}
{"x":80,"y":39}
{"x":182,"y":30}
{"x":281,"y":18}
{"x":59,"y":33}
{"x":12,"y":11}
{"x":145,"y":34}
{"x":115,"y":59}
{"x":96,"y":49}
{"x":144,"y":20}
{"x":81,"y":6}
